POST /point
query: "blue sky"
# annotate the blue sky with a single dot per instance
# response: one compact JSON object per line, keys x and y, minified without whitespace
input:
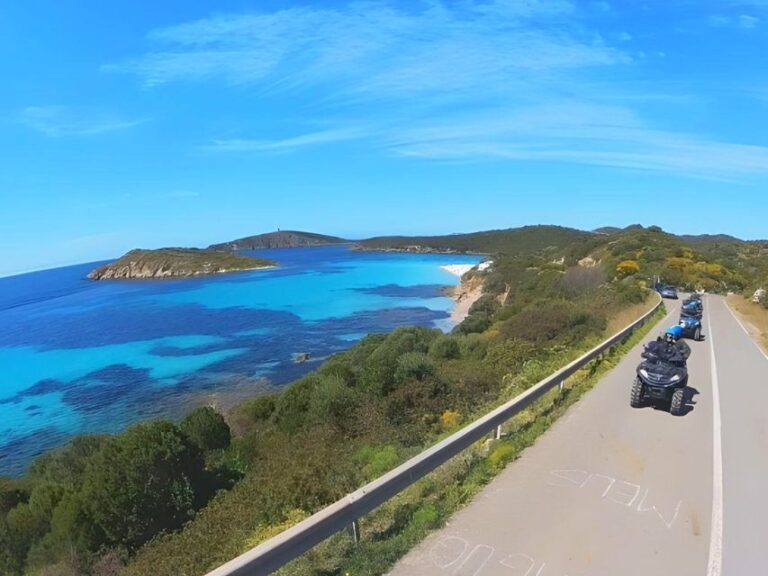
{"x":139,"y":124}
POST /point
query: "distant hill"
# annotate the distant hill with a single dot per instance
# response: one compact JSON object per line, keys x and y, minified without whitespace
{"x":515,"y":240}
{"x":607,"y":230}
{"x":175,"y":263}
{"x":279,"y":239}
{"x":710,"y":239}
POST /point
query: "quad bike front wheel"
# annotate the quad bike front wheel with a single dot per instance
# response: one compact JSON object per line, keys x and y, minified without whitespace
{"x":678,"y":402}
{"x":697,"y":334}
{"x":636,"y":395}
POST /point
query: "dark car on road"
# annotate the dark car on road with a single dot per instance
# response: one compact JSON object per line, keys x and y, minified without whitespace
{"x":668,"y":292}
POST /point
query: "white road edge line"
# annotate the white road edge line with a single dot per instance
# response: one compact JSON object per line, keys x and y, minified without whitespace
{"x":741,"y":324}
{"x":715,"y":563}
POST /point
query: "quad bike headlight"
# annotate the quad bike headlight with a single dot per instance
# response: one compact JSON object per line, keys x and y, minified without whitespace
{"x":643,"y":372}
{"x":675,"y":378}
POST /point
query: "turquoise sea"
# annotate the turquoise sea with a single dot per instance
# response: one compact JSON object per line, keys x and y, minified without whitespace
{"x":78,"y":356}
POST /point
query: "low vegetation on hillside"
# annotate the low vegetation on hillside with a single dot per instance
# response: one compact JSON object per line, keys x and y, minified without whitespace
{"x":168,"y":499}
{"x":279,"y":239}
{"x":175,"y":263}
{"x":527,"y":239}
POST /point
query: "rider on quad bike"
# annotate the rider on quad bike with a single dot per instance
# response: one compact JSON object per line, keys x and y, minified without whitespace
{"x":663,"y":373}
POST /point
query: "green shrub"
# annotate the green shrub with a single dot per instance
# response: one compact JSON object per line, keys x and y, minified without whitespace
{"x":376,"y":460}
{"x":292,"y":405}
{"x":141,"y":483}
{"x":425,"y":517}
{"x":486,"y":303}
{"x":472,"y":346}
{"x":12,"y":492}
{"x":501,"y":455}
{"x":474,"y":323}
{"x":207,"y":429}
{"x":260,"y":408}
{"x":540,"y":322}
{"x":378,"y":369}
{"x":630,"y":292}
{"x":66,"y":465}
{"x":413,"y":365}
{"x":333,"y":402}
{"x":445,"y":348}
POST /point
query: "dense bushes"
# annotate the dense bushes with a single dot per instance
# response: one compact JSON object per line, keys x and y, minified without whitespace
{"x":102,"y":493}
{"x":716,"y":265}
{"x":142,"y":482}
{"x":150,"y":495}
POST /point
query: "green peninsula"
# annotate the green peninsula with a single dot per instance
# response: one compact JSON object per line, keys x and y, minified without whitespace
{"x":176,"y":263}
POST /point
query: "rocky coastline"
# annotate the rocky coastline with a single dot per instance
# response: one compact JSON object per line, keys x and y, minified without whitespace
{"x":176,"y":263}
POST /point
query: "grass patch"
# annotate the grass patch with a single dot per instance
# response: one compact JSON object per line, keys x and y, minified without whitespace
{"x":390,"y":531}
{"x":753,"y":316}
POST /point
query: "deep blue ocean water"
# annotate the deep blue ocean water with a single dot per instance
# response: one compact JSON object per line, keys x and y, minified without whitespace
{"x":78,"y":356}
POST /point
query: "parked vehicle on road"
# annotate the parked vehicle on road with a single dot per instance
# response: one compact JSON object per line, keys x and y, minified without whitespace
{"x":662,"y":376}
{"x":668,"y":292}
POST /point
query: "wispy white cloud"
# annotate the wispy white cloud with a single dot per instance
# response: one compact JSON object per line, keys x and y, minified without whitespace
{"x":286,"y":144}
{"x":575,"y":133}
{"x":748,"y":21}
{"x":473,"y":79}
{"x":744,"y":21}
{"x":63,"y":121}
{"x":374,"y":48}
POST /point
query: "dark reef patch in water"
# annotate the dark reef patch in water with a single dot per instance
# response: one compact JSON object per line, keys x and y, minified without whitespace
{"x":141,"y":321}
{"x":397,"y":291}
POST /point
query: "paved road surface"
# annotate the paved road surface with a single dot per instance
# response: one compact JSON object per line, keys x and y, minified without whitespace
{"x":616,"y":491}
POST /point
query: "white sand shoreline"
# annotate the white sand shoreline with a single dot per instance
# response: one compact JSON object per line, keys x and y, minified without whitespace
{"x":465,"y":294}
{"x":458,"y":269}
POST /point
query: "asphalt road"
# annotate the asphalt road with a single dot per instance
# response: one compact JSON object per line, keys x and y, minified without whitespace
{"x":614,"y":491}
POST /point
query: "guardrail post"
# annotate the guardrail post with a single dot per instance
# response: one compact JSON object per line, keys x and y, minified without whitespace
{"x":562,"y":385}
{"x":355,"y":529}
{"x":498,"y":432}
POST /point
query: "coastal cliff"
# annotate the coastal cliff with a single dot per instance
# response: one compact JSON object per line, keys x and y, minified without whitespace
{"x":175,"y":263}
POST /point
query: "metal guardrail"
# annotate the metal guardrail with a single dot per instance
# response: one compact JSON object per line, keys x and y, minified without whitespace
{"x":292,"y":543}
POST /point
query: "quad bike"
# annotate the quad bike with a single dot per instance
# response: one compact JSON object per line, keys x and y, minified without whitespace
{"x":662,"y":375}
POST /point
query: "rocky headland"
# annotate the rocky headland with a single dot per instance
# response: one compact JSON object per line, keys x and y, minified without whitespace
{"x":176,"y":263}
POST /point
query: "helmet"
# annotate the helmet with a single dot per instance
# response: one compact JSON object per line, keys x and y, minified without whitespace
{"x":674,"y":333}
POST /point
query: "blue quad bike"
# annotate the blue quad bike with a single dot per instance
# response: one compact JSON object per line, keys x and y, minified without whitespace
{"x":691,"y":313}
{"x":662,"y":376}
{"x":691,"y":326}
{"x":692,"y":307}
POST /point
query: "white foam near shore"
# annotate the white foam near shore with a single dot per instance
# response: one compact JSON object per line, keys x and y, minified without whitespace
{"x":458,"y":269}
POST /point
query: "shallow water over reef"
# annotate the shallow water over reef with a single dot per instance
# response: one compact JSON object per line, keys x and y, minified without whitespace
{"x":78,"y":356}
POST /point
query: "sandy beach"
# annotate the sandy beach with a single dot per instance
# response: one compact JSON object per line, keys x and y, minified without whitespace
{"x":465,"y":294}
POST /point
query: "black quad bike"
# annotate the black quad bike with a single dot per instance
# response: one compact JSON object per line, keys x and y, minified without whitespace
{"x":662,"y":377}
